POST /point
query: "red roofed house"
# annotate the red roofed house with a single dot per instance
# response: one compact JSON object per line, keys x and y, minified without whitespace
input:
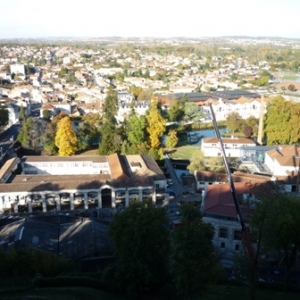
{"x":219,"y":210}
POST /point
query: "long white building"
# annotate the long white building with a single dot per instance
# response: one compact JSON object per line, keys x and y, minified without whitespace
{"x":80,"y":182}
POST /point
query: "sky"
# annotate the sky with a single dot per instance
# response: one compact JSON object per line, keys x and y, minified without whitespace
{"x":149,"y":18}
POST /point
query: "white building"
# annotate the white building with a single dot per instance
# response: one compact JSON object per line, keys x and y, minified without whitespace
{"x":17,"y":69}
{"x":79,"y":182}
{"x":284,"y":160}
{"x":232,"y":146}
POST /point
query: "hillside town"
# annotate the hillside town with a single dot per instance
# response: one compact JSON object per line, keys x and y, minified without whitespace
{"x":43,"y":84}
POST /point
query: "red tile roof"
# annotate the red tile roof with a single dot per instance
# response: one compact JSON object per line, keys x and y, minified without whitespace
{"x":219,"y":199}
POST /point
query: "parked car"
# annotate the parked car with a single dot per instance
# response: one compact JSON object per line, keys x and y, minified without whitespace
{"x":170,"y":182}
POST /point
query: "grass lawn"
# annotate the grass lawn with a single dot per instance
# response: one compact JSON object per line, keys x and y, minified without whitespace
{"x":184,"y":152}
{"x":90,"y":152}
{"x":290,"y":77}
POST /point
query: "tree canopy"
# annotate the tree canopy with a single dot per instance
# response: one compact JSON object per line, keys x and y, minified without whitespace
{"x":277,"y":219}
{"x":111,"y":140}
{"x":141,"y":247}
{"x":156,"y":125}
{"x":65,"y":138}
{"x":192,"y":112}
{"x":171,"y":139}
{"x":4,"y":117}
{"x":194,"y":263}
{"x":233,"y":122}
{"x":281,"y":122}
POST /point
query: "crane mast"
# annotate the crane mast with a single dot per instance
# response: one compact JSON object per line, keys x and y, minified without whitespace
{"x":229,"y":177}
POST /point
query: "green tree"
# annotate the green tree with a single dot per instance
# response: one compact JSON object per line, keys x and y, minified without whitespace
{"x":171,"y":139}
{"x":111,"y":139}
{"x":280,"y":121}
{"x":46,"y":114}
{"x":88,"y":133}
{"x":253,"y":123}
{"x":194,"y":264}
{"x":65,"y":138}
{"x":176,"y":111}
{"x":48,"y":136}
{"x":24,"y":134}
{"x":137,"y":134}
{"x":156,"y":125}
{"x":22,"y":115}
{"x":233,"y":122}
{"x":4,"y":117}
{"x":141,"y":248}
{"x":197,"y":162}
{"x":192,"y":113}
{"x":281,"y":232}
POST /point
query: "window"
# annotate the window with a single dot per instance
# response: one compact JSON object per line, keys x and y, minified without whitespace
{"x":237,"y":235}
{"x":222,"y":245}
{"x":237,"y":247}
{"x":223,"y":232}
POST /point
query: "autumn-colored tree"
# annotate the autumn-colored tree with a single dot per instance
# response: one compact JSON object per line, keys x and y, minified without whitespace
{"x":145,"y":94}
{"x":156,"y":125}
{"x":171,"y":139}
{"x":135,"y":90}
{"x":233,"y":122}
{"x":65,"y":138}
{"x":253,"y":123}
{"x":291,"y":87}
{"x":247,"y":131}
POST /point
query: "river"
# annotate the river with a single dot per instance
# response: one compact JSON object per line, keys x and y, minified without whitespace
{"x":195,"y":137}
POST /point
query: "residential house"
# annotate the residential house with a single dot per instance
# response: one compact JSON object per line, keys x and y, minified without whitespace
{"x":284,"y":160}
{"x":220,"y":211}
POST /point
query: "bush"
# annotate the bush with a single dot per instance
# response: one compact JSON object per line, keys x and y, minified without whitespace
{"x":72,"y":281}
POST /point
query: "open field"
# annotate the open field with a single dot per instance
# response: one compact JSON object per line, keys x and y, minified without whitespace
{"x":184,"y":152}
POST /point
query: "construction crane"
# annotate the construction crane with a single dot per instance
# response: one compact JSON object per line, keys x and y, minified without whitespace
{"x":245,"y":230}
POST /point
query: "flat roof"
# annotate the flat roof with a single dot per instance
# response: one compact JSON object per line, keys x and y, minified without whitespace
{"x":93,"y":158}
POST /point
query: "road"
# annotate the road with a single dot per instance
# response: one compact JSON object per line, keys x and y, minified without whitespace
{"x":6,"y":140}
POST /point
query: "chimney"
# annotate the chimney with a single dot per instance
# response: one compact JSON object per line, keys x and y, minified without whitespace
{"x":261,"y":121}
